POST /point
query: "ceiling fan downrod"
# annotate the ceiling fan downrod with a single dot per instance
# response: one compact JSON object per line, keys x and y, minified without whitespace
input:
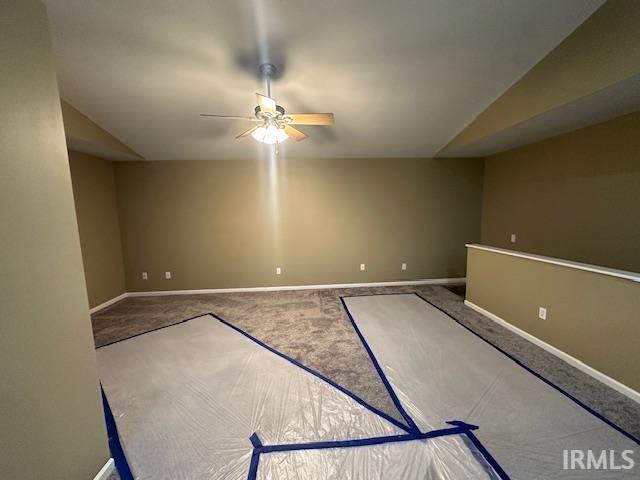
{"x":267,"y":71}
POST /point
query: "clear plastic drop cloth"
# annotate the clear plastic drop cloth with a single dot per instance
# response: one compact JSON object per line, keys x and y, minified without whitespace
{"x":187,"y":398}
{"x":441,"y":371}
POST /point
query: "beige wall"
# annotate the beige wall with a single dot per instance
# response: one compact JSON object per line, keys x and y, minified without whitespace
{"x":94,"y":191}
{"x":51,"y":423}
{"x":576,"y":196}
{"x":223,"y":224}
{"x":590,"y":316}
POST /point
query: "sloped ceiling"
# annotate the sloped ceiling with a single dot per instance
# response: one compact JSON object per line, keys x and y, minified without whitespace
{"x":402,"y":77}
{"x":591,"y":77}
{"x":84,"y":135}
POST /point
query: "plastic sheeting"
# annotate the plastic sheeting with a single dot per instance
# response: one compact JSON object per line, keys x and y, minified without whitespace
{"x":191,"y":401}
{"x":439,"y":370}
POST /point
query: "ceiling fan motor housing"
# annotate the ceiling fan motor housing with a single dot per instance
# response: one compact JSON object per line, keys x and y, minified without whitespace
{"x":260,"y":114}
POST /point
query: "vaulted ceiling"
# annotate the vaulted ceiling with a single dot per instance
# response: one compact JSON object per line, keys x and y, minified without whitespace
{"x":403,"y":77}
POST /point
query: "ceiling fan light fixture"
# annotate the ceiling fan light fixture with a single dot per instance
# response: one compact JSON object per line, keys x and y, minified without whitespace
{"x":269,"y":135}
{"x":274,"y":126}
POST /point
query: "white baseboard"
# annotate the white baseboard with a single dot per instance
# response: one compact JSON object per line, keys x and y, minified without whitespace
{"x":616,"y":385}
{"x":108,"y":303}
{"x":105,"y":471}
{"x":430,"y":281}
{"x":427,"y":281}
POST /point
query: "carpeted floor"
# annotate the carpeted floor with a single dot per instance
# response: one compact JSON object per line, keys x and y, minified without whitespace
{"x":312,"y":327}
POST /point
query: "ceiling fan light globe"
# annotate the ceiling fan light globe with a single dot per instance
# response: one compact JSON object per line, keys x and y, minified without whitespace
{"x":269,"y":135}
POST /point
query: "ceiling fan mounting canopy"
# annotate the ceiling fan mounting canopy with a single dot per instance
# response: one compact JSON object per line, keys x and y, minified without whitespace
{"x":268,"y":70}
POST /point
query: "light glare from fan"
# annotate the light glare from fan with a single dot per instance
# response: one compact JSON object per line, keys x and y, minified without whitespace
{"x":270,"y":135}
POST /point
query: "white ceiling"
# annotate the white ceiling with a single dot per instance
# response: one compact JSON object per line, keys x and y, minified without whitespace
{"x":403,"y":77}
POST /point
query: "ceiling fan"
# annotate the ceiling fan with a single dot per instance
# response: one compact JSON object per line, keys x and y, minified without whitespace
{"x":274,"y":125}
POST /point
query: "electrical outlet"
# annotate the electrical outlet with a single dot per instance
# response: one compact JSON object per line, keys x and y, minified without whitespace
{"x":513,"y":238}
{"x":145,"y":275}
{"x":167,"y":275}
{"x":542,"y":313}
{"x":278,"y":270}
{"x":362,"y":267}
{"x":403,"y":266}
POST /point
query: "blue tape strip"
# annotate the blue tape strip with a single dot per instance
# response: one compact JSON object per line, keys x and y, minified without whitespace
{"x":536,"y":374}
{"x":255,"y":440}
{"x":459,"y":428}
{"x":483,"y":455}
{"x":413,"y":427}
{"x":487,"y":456}
{"x":317,"y":374}
{"x":253,"y":466}
{"x":364,"y":442}
{"x":114,"y":441}
{"x":153,"y":330}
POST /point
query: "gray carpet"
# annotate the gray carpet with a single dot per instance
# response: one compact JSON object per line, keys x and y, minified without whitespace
{"x":312,"y":327}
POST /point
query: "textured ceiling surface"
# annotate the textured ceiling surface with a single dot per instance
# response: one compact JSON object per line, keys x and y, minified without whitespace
{"x":403,"y":77}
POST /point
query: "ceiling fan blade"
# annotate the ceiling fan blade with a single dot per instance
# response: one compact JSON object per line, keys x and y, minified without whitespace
{"x":311,"y":118}
{"x":266,"y":104}
{"x":229,"y":117}
{"x":294,"y":133}
{"x":247,"y":133}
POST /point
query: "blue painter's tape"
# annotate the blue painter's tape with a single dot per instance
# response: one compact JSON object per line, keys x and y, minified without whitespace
{"x":114,"y":441}
{"x":255,"y":440}
{"x":413,"y":427}
{"x":253,"y":466}
{"x":487,"y":456}
{"x":459,"y":428}
{"x":364,"y":442}
{"x":465,"y":425}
